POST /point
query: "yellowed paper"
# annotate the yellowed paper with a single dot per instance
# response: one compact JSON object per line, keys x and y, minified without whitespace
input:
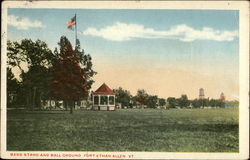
{"x":122,"y":38}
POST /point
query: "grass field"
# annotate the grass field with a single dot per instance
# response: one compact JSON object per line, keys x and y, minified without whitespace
{"x":174,"y":130}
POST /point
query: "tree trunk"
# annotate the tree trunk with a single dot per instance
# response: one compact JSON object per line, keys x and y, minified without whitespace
{"x":30,"y":99}
{"x":28,"y":106}
{"x":71,"y":107}
{"x":34,"y":98}
{"x":27,"y":101}
{"x":39,"y":102}
{"x":65,"y":102}
{"x":49,"y":102}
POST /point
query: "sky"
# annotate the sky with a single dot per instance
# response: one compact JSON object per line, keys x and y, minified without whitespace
{"x":165,"y":52}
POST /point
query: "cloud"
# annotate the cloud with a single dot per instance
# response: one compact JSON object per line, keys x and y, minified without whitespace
{"x":23,"y":23}
{"x":123,"y":32}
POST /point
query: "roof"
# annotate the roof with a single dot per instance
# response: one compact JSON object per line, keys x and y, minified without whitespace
{"x":104,"y":90}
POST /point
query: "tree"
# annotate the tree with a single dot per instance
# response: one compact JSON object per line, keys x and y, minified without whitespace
{"x":29,"y":53}
{"x":162,"y":102}
{"x":233,"y":103}
{"x":183,"y":101}
{"x":37,"y":59}
{"x":15,"y":55}
{"x":85,"y":61}
{"x":152,"y":101}
{"x":172,"y":102}
{"x":132,"y":101}
{"x":221,"y":103}
{"x":198,"y":103}
{"x":37,"y":82}
{"x":12,"y":88}
{"x":122,"y":96}
{"x":69,"y":78}
{"x":142,"y":97}
{"x":205,"y":102}
{"x":212,"y":103}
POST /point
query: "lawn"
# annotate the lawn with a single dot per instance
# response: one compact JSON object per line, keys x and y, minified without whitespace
{"x":174,"y":130}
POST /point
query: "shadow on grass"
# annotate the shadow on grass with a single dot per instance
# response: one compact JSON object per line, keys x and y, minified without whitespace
{"x":182,"y":127}
{"x":36,"y":112}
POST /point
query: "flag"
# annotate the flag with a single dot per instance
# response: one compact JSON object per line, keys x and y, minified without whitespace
{"x":71,"y":23}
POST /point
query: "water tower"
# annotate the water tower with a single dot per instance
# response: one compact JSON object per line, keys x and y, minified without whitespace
{"x":201,"y":93}
{"x":222,"y":97}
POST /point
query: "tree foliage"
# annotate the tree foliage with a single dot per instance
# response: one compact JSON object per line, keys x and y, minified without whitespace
{"x":69,"y":79}
{"x":142,"y":97}
{"x":37,"y":58}
{"x":86,"y":64}
{"x":199,"y":103}
{"x":12,"y":88}
{"x":162,"y":102}
{"x":152,"y":101}
{"x":31,"y":53}
{"x":72,"y":73}
{"x":183,"y":101}
{"x":36,"y":63}
{"x":233,"y":103}
{"x":122,"y":96}
{"x":15,"y":55}
{"x":172,"y":102}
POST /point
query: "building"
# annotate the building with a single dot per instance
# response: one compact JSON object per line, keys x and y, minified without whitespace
{"x":103,"y":98}
{"x":222,"y":97}
{"x":201,"y":93}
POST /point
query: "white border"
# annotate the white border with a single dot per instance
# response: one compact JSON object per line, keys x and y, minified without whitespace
{"x":242,"y":6}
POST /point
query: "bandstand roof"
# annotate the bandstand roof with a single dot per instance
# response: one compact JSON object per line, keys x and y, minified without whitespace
{"x":104,"y":90}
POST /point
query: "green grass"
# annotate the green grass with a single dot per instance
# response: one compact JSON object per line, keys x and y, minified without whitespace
{"x":174,"y":130}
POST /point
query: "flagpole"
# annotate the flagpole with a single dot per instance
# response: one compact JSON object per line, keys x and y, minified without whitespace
{"x":76,"y":31}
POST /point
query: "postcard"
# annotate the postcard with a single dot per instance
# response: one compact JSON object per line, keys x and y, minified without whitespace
{"x":125,"y":80}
